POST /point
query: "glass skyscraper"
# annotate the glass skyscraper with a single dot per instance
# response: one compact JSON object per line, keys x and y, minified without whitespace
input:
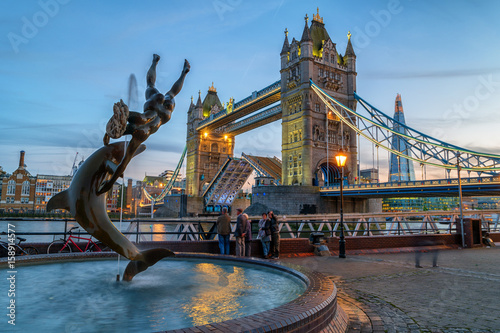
{"x":400,"y":168}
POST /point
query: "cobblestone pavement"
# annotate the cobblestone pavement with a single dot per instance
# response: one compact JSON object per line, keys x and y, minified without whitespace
{"x":387,"y":293}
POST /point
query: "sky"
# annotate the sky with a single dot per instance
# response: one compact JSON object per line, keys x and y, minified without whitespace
{"x":64,"y":63}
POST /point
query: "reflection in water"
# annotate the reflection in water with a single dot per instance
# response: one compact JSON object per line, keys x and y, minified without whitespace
{"x":158,"y":227}
{"x":227,"y":285}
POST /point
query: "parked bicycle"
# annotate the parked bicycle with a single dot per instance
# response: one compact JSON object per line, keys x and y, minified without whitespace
{"x":64,"y":245}
{"x":20,"y":250}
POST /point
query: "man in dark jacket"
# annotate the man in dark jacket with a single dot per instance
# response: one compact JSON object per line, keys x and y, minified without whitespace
{"x":275,"y":236}
{"x":224,"y":231}
{"x":240,"y":232}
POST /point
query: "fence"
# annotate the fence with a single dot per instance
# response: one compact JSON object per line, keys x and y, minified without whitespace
{"x":354,"y":225}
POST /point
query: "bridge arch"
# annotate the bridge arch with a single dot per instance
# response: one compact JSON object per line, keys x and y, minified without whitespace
{"x":327,"y":173}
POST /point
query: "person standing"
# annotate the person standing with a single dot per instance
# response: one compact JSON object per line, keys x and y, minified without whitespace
{"x":248,"y":237}
{"x":275,"y":236}
{"x":224,"y":231}
{"x":240,"y":232}
{"x":265,"y":234}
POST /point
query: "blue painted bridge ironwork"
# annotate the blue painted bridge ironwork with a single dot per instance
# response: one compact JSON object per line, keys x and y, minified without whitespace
{"x":487,"y":186}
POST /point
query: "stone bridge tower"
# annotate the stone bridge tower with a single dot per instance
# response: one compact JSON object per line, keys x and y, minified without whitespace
{"x":206,"y":152}
{"x":305,"y":118}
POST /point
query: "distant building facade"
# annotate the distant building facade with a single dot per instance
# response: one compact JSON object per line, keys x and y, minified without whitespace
{"x":419,"y":204}
{"x":368,"y":176}
{"x":18,"y":190}
{"x":22,"y":193}
{"x":46,"y":187}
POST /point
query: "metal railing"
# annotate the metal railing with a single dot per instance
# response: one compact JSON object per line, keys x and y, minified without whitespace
{"x":200,"y":230}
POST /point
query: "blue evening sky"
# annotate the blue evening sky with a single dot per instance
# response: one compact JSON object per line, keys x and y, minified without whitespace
{"x":65,"y":62}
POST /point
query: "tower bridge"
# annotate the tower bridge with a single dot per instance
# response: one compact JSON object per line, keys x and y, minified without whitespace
{"x":316,"y":101}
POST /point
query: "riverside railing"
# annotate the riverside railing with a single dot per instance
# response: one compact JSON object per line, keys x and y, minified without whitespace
{"x":199,"y":230}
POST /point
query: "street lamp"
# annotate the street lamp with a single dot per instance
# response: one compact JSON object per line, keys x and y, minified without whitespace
{"x":341,"y":158}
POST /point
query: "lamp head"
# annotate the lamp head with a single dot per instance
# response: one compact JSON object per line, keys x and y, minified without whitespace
{"x":341,"y":158}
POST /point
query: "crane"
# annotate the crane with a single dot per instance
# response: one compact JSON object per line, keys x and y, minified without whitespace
{"x":73,"y":168}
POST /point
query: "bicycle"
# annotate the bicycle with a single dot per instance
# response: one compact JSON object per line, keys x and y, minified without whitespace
{"x":20,"y":250}
{"x":63,"y":245}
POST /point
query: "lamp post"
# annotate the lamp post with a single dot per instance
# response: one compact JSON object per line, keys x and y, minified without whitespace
{"x":460,"y":200}
{"x":341,"y":159}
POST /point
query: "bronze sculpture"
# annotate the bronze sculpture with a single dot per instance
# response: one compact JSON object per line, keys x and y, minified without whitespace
{"x":85,"y":199}
{"x":157,"y":111}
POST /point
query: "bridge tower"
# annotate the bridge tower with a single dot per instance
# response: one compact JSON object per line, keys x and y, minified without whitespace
{"x":309,"y":131}
{"x":206,"y":152}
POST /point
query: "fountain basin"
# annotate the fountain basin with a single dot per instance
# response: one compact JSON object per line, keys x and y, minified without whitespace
{"x":223,"y":292}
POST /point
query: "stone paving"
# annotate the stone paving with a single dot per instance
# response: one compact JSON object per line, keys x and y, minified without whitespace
{"x":387,"y":293}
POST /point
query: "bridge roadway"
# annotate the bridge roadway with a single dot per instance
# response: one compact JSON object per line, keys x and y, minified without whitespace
{"x":258,"y":100}
{"x":478,"y":186}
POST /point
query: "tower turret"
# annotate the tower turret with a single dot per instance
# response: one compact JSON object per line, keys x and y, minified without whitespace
{"x":306,"y":42}
{"x":285,"y":51}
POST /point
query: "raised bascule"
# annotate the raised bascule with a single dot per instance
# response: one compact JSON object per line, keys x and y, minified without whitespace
{"x":316,"y":101}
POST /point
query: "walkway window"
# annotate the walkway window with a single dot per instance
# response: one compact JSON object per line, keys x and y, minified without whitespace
{"x":214,"y":148}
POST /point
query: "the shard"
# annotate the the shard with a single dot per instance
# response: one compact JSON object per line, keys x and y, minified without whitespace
{"x":400,"y":169}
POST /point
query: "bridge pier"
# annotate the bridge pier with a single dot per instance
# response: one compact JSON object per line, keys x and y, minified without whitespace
{"x":295,"y":200}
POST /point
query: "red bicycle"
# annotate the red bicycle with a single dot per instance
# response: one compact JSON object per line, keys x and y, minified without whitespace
{"x":64,"y":246}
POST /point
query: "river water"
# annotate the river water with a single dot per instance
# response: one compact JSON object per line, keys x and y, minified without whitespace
{"x":22,"y":227}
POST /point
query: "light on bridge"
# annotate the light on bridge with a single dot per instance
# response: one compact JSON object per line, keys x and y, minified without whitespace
{"x":341,"y":158}
{"x":225,"y":137}
{"x":205,"y":134}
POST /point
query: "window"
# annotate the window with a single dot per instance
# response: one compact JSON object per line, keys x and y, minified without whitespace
{"x":26,"y":188}
{"x":11,"y":187}
{"x":8,"y":199}
{"x":317,"y":107}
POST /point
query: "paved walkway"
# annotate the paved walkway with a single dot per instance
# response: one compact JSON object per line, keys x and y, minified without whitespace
{"x":387,"y":293}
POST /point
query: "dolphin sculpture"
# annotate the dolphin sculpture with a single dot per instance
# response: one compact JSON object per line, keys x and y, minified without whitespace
{"x":88,"y":208}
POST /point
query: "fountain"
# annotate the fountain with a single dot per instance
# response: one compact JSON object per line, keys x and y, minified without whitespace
{"x":77,"y":292}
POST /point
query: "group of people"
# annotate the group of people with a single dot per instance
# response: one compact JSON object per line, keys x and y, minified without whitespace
{"x":268,"y":234}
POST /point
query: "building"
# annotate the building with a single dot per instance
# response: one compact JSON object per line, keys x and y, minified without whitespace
{"x":179,"y":183}
{"x":113,"y":202}
{"x":22,"y":193}
{"x":46,"y":187}
{"x":18,"y":190}
{"x":400,"y":168}
{"x":419,"y":204}
{"x":368,"y":176}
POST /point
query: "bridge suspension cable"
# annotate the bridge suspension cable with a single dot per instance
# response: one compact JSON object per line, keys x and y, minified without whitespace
{"x":170,"y":183}
{"x":422,"y":148}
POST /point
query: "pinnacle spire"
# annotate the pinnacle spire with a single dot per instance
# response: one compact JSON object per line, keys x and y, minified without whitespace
{"x":399,"y":104}
{"x":349,"y":51}
{"x":286,"y":45}
{"x":199,"y":104}
{"x":306,"y":35}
